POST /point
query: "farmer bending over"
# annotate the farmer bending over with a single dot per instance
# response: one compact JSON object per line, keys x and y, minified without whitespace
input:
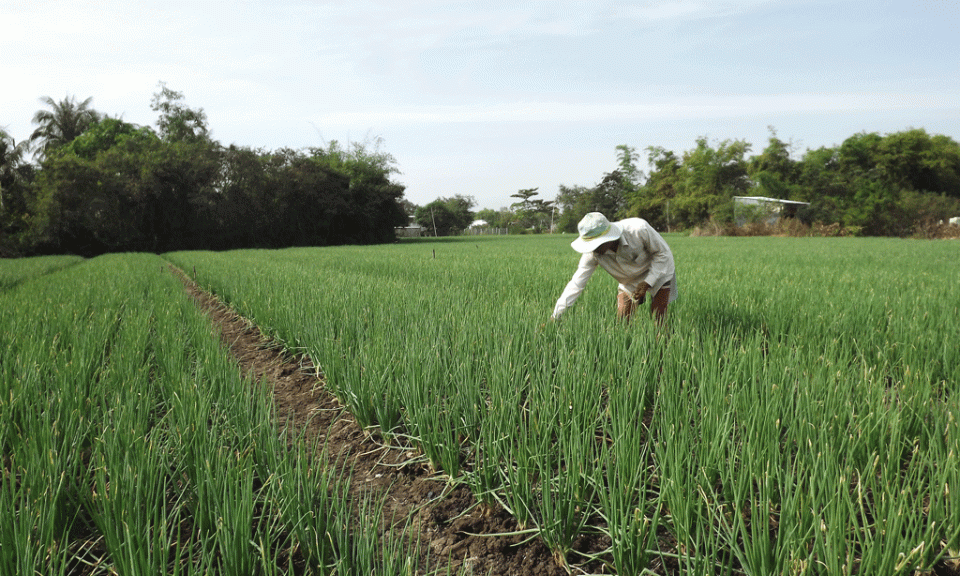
{"x":633,"y":253}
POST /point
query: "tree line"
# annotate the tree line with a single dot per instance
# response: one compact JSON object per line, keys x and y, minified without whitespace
{"x":899,"y":184}
{"x":889,"y":185}
{"x":447,"y":216}
{"x":99,"y":184}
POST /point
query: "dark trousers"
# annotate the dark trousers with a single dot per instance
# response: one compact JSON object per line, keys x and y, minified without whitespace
{"x":626,"y":305}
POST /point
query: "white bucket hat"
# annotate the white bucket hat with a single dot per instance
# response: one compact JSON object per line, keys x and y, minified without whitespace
{"x":595,"y":230}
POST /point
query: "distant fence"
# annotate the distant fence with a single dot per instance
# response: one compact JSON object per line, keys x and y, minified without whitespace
{"x":484,"y":231}
{"x":410,"y":232}
{"x":418,"y":232}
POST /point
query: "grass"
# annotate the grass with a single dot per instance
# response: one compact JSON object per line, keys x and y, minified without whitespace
{"x":15,"y":271}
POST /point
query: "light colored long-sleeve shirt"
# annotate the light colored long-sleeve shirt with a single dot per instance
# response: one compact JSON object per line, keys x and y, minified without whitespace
{"x":642,"y":256}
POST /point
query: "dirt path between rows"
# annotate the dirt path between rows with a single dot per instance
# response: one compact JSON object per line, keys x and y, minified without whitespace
{"x":448,"y":520}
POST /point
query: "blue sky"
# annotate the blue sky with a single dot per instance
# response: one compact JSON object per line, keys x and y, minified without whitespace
{"x":484,"y":98}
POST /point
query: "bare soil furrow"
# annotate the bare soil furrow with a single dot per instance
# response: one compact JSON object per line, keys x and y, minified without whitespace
{"x":449,"y":522}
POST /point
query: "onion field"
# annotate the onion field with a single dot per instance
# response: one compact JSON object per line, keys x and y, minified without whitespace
{"x":797,"y":414}
{"x":131,"y":443}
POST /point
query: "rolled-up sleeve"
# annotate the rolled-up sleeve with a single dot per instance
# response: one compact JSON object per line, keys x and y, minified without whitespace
{"x":585,"y":269}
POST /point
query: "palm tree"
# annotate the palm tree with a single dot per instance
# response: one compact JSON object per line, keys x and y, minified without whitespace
{"x":64,"y":121}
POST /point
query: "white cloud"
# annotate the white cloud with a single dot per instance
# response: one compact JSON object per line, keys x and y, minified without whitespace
{"x":682,"y":108}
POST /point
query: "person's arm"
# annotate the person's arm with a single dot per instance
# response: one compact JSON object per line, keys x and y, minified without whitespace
{"x":588,"y":263}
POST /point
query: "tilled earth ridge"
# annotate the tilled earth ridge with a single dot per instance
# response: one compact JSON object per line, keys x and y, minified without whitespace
{"x":451,"y":525}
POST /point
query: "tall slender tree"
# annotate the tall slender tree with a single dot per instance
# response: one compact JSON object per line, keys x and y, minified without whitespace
{"x":16,"y":175}
{"x":61,"y":124}
{"x":12,"y":154}
{"x":532,"y":213}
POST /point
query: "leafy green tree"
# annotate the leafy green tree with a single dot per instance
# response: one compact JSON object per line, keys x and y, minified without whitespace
{"x":104,"y":134}
{"x":820,"y":181}
{"x":925,"y":209}
{"x":629,"y":177}
{"x":531,"y":213}
{"x":487,"y":215}
{"x":242,"y":211}
{"x":66,"y":186}
{"x":774,"y":172}
{"x":882,"y":185}
{"x":686,"y":191}
{"x":281,"y":198}
{"x":120,"y":187}
{"x":315,"y":200}
{"x":107,"y":185}
{"x":86,"y":192}
{"x":713,"y":177}
{"x":913,"y":160}
{"x":374,"y":200}
{"x":181,"y":179}
{"x":438,"y":219}
{"x":885,"y":179}
{"x":494,"y":218}
{"x":177,"y":121}
{"x":609,"y":197}
{"x":665,"y":181}
{"x":60,"y":125}
{"x":874,"y":209}
{"x":462,"y":208}
{"x":446,"y":216}
{"x":572,"y":203}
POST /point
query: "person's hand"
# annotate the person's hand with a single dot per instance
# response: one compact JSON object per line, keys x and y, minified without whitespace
{"x":641,"y":292}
